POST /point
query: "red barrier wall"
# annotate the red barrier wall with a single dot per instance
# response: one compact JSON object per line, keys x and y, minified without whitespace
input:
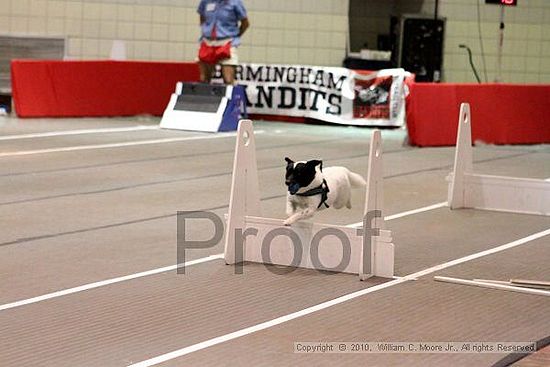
{"x":95,"y":88}
{"x":501,"y":113}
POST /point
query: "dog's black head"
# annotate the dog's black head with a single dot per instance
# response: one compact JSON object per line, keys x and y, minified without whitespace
{"x":300,"y":174}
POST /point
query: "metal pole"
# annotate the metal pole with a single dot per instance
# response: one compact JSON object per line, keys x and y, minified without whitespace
{"x":436,"y":73}
{"x":498,"y":77}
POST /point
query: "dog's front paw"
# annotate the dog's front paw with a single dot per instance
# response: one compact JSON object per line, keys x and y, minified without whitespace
{"x":287,"y":222}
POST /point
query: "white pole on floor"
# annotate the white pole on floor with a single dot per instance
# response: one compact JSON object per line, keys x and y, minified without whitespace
{"x":492,"y":286}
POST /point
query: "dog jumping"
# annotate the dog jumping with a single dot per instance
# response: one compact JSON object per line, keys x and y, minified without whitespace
{"x":312,"y":188}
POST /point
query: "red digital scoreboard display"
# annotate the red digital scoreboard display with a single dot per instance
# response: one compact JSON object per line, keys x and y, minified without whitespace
{"x":502,"y":2}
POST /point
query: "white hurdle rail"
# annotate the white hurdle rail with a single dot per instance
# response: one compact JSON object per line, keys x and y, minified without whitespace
{"x":500,"y":193}
{"x":245,"y":214}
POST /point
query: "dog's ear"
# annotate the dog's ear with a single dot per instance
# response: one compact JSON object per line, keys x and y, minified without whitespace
{"x":289,"y":164}
{"x":315,"y":163}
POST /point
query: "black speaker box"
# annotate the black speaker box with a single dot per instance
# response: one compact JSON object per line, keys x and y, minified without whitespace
{"x":417,"y":46}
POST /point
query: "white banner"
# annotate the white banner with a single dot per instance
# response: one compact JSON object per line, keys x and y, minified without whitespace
{"x":331,"y":94}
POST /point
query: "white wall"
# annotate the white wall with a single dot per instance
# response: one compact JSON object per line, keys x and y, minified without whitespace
{"x":368,"y":19}
{"x":526,"y":57}
{"x":282,"y":31}
{"x":286,"y":31}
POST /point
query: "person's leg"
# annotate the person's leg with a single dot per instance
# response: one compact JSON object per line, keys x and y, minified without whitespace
{"x":228,"y":74}
{"x":229,"y":67}
{"x":206,"y":71}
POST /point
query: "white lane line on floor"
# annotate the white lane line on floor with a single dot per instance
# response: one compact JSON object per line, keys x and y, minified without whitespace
{"x":407,"y":213}
{"x":120,"y":145}
{"x":78,"y":132}
{"x":102,"y":283}
{"x":333,"y":302}
{"x":89,"y":286}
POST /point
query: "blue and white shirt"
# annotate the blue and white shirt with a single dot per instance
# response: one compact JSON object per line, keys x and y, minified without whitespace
{"x":225,"y":14}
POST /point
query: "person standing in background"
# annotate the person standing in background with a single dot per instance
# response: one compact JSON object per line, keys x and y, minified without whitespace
{"x":222,"y":21}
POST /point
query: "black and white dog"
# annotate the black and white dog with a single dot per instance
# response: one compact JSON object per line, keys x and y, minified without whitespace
{"x":311,"y":188}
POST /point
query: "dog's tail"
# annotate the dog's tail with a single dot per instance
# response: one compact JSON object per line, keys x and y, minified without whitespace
{"x":356,"y":180}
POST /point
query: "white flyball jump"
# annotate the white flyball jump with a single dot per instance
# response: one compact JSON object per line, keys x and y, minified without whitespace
{"x":304,"y":244}
{"x":509,"y":194}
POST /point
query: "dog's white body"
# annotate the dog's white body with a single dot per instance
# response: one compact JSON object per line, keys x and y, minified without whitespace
{"x":340,"y":181}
